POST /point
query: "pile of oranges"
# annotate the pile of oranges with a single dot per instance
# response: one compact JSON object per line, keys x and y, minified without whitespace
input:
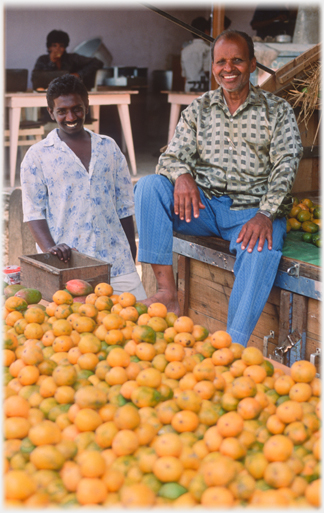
{"x":115,"y":404}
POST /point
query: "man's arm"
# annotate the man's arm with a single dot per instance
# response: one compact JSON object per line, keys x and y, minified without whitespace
{"x":85,"y":66}
{"x":43,"y":237}
{"x":128,"y":227}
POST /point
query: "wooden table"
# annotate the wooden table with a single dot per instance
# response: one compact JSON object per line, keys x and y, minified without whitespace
{"x":16,"y":101}
{"x":177,"y":99}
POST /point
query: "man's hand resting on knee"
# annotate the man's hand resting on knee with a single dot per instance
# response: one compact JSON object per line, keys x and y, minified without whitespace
{"x":259,"y":227}
{"x":186,"y":197}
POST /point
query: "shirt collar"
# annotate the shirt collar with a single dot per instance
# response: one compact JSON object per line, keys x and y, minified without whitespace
{"x":254,"y":97}
{"x":53,"y":138}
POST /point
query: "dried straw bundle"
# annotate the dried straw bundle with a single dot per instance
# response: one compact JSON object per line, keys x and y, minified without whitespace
{"x":305,"y":93}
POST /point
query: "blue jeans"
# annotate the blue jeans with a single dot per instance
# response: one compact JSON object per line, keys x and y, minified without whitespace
{"x":254,"y":272}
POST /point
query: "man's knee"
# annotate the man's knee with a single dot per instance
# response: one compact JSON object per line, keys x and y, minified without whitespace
{"x":154,"y":188}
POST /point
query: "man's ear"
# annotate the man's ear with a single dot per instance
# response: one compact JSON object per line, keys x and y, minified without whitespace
{"x":50,"y":111}
{"x":253,"y":65}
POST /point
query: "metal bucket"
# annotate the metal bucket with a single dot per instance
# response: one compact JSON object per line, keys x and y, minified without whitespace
{"x":95,"y":48}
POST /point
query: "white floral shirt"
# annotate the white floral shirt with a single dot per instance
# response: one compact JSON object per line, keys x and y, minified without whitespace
{"x":83,"y":209}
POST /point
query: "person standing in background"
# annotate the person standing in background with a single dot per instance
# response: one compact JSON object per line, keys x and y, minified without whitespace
{"x":195,"y":57}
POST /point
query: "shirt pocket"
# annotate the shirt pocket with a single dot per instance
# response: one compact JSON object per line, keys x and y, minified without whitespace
{"x":255,"y":157}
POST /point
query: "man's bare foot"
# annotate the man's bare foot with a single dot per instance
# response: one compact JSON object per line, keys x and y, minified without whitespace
{"x":166,"y":298}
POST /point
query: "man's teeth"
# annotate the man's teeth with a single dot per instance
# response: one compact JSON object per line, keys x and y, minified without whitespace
{"x":72,"y":124}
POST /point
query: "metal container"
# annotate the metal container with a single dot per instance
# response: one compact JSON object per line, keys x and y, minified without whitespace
{"x":283,"y":38}
{"x":46,"y":273}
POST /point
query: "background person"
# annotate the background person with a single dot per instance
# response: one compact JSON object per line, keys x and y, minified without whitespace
{"x":57,"y":58}
{"x":228,"y":171}
{"x":77,"y":190}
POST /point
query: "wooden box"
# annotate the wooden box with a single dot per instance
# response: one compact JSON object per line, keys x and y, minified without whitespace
{"x":46,"y":273}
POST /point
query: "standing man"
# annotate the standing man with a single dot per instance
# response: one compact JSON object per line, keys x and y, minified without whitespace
{"x":228,"y":171}
{"x":57,"y":58}
{"x":195,"y":58}
{"x":77,"y":191}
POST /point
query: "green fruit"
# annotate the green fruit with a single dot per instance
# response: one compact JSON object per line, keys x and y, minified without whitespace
{"x":304,"y":215}
{"x":317,"y":213}
{"x":307,"y":237}
{"x":10,"y":290}
{"x":171,"y":491}
{"x":316,"y":239}
{"x":31,"y":296}
{"x":308,"y":226}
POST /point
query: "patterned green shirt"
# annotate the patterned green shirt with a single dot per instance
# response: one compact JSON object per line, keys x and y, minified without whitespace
{"x":252,"y":155}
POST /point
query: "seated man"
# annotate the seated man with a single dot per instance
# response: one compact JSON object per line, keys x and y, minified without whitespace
{"x":58,"y":59}
{"x":77,"y":191}
{"x":227,"y":172}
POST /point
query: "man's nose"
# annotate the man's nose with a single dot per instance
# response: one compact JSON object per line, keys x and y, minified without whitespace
{"x":228,"y":66}
{"x":70,"y":116}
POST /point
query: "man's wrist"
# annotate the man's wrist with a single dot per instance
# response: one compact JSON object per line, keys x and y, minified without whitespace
{"x":266,"y":213}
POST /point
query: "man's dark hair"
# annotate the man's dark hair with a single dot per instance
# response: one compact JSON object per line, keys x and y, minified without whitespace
{"x":57,"y":36}
{"x":201,"y":24}
{"x":234,"y":34}
{"x":65,"y":85}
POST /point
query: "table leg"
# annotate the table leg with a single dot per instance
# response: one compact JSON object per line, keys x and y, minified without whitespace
{"x":95,"y":113}
{"x":123,"y":112}
{"x":14,"y":120}
{"x":174,"y":118}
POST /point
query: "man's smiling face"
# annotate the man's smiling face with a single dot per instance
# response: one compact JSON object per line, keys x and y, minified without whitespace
{"x":69,"y":113}
{"x":232,"y":65}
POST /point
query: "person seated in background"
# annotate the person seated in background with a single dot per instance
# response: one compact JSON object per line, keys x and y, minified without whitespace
{"x":57,"y":58}
{"x":77,"y":191}
{"x":195,"y":58}
{"x":227,"y":172}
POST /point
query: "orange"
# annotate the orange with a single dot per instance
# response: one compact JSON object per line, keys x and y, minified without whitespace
{"x":15,"y":303}
{"x":13,"y":318}
{"x":313,"y":493}
{"x":249,"y":408}
{"x":242,"y":487}
{"x":129,"y":313}
{"x":84,"y":324}
{"x":157,"y":310}
{"x":157,"y":323}
{"x":126,"y":299}
{"x":220,"y":471}
{"x":103,"y":303}
{"x":183,"y":324}
{"x":16,"y":427}
{"x":149,"y":377}
{"x":275,"y":425}
{"x":256,"y":372}
{"x":8,"y":357}
{"x":168,"y":444}
{"x":256,"y":463}
{"x":213,"y":439}
{"x":185,"y":420}
{"x":127,"y":417}
{"x":283,"y":384}
{"x":87,"y":419}
{"x":103,"y":289}
{"x":137,"y":495}
{"x":204,"y":370}
{"x":175,"y":370}
{"x":143,"y":319}
{"x":47,"y":457}
{"x":278,"y":448}
{"x":168,"y":469}
{"x":91,"y":463}
{"x":243,"y":386}
{"x":278,"y":474}
{"x":116,"y":376}
{"x":70,"y":475}
{"x":252,"y":356}
{"x":118,"y":357}
{"x":91,"y":491}
{"x":91,"y":299}
{"x":300,"y":392}
{"x":46,"y":432}
{"x":61,"y":327}
{"x":63,"y":311}
{"x":18,"y":485}
{"x":221,"y":339}
{"x":35,"y":314}
{"x":303,"y":371}
{"x":217,"y":496}
{"x":16,"y":406}
{"x":222,"y":356}
{"x":174,"y":352}
{"x":189,"y":400}
{"x":237,"y":368}
{"x":125,"y":442}
{"x":232,"y":447}
{"x":230,"y":424}
{"x":289,"y":411}
{"x":61,"y":297}
{"x":205,"y":389}
{"x":28,"y":375}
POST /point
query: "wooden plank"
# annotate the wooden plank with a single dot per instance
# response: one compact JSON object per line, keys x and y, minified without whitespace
{"x":284,"y":315}
{"x":297,"y":68}
{"x":314,"y":319}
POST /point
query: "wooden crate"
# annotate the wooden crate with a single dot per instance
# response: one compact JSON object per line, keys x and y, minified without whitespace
{"x":204,"y":290}
{"x":46,"y":273}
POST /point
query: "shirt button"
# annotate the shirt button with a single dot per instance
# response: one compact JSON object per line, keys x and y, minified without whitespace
{"x":230,"y":148}
{"x":231,"y":119}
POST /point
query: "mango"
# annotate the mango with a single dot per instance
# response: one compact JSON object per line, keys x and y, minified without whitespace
{"x":79,"y":287}
{"x":31,"y":296}
{"x":10,"y":290}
